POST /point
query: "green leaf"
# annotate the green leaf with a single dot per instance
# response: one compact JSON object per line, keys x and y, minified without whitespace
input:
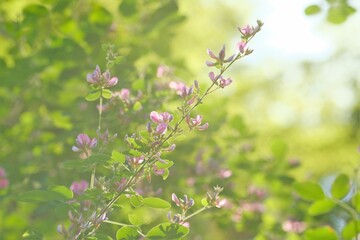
{"x":309,"y":190}
{"x":117,"y":157}
{"x":351,"y":229}
{"x":165,"y":175}
{"x":82,"y":165}
{"x":321,"y":233}
{"x":339,"y":13}
{"x":167,"y":231}
{"x":137,"y":106}
{"x":136,"y":200}
{"x":279,"y":148}
{"x":164,"y":164}
{"x":356,"y":201}
{"x":127,"y":233}
{"x":204,"y":202}
{"x":341,"y":186}
{"x":138,"y":85}
{"x":156,"y":203}
{"x":32,"y":234}
{"x":66,"y":192}
{"x":321,"y":207}
{"x":312,"y":9}
{"x":136,"y":220}
{"x":41,"y":196}
{"x":106,"y":93}
{"x":98,"y":159}
{"x":93,"y":95}
{"x":128,"y":7}
{"x":135,"y":153}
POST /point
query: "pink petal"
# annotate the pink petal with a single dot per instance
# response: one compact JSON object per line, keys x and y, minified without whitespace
{"x":155,"y":117}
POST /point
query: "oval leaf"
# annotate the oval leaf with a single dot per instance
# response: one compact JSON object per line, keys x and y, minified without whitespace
{"x":167,"y":231}
{"x":312,"y":9}
{"x":156,"y":203}
{"x":117,"y":157}
{"x":106,"y":93}
{"x":136,"y":201}
{"x":66,"y":192}
{"x":127,"y":233}
{"x":321,"y":207}
{"x":321,"y":233}
{"x":349,"y":231}
{"x":93,"y":95}
{"x":41,"y":196}
{"x":340,"y":187}
{"x":309,"y":190}
{"x":136,"y":220}
{"x":356,"y":201}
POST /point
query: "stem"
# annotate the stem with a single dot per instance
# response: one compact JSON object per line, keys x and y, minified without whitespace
{"x":100,"y":109}
{"x":195,"y":213}
{"x":92,"y":179}
{"x":117,"y":223}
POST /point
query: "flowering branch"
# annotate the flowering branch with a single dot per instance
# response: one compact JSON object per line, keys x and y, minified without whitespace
{"x":158,"y":137}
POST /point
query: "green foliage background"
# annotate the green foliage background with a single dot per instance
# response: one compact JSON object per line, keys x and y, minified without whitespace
{"x":48,"y":47}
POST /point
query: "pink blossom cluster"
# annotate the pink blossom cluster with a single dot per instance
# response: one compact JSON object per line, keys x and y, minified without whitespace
{"x":101,"y":80}
{"x":84,"y":145}
{"x":4,"y":181}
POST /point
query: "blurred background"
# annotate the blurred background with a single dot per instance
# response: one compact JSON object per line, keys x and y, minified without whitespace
{"x":295,"y":98}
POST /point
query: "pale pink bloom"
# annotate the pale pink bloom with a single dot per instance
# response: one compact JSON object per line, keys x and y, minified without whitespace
{"x":84,"y":145}
{"x":177,"y":86}
{"x":158,"y":171}
{"x":294,"y":226}
{"x":255,"y":207}
{"x":221,"y":203}
{"x":224,"y":82}
{"x":161,"y":117}
{"x":124,"y":94}
{"x":80,"y":187}
{"x":241,"y":46}
{"x":220,"y":59}
{"x":194,"y":123}
{"x":170,"y":148}
{"x":135,"y":161}
{"x":103,"y":80}
{"x":224,"y":173}
{"x":4,"y":183}
{"x":163,"y":71}
{"x":212,"y":76}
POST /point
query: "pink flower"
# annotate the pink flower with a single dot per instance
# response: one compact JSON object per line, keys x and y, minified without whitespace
{"x":161,"y":117}
{"x":135,"y":161}
{"x":80,"y":187}
{"x":163,"y":71}
{"x":102,"y":80}
{"x":220,"y":59}
{"x":241,"y":46}
{"x":195,"y":123}
{"x":224,"y":173}
{"x":177,"y":86}
{"x":84,"y":145}
{"x":162,"y":120}
{"x":124,"y":94}
{"x":294,"y":226}
{"x":224,"y":82}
